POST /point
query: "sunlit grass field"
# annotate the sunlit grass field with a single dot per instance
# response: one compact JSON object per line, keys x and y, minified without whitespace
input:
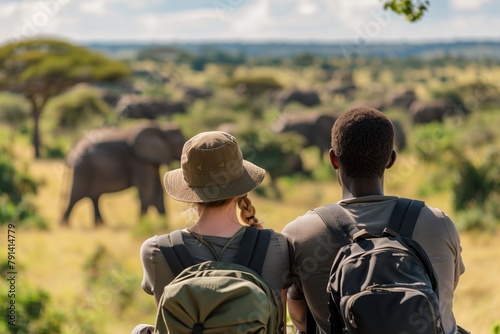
{"x":55,"y":259}
{"x":60,"y":260}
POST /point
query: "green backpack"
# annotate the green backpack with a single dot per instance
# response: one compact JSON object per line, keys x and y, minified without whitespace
{"x":214,"y":297}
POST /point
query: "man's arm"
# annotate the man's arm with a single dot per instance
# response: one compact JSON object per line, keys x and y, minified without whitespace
{"x":297,"y":307}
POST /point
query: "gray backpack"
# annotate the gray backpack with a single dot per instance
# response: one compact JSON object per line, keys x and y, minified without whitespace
{"x":381,"y":284}
{"x":217,"y":297}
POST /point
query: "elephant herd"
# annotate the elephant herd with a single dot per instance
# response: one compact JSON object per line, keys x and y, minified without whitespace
{"x":423,"y":112}
{"x":113,"y":159}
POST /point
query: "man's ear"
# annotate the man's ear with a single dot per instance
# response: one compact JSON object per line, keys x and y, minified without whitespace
{"x":392,"y":160}
{"x":333,"y":159}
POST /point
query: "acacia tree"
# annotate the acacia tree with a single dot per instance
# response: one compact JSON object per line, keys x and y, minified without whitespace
{"x":40,"y":69}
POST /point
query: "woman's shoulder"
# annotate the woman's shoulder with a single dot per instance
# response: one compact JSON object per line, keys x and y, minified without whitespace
{"x":148,"y":247}
{"x":151,"y":245}
{"x":150,"y":242}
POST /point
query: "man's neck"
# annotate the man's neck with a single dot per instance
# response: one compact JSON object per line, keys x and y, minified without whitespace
{"x":362,"y":187}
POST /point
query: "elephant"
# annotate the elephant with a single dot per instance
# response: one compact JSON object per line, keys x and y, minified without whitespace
{"x":399,"y":135}
{"x":435,"y":111}
{"x":400,"y":98}
{"x":112,"y":159}
{"x":135,"y":106}
{"x":315,"y":128}
{"x":346,"y":91}
{"x":291,"y":164}
{"x":308,"y":98}
{"x":194,"y":93}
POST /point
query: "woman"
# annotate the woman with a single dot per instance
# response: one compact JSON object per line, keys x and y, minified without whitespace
{"x":215,"y":178}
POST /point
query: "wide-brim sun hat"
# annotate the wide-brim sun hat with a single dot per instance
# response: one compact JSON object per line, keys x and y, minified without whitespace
{"x":212,"y":169}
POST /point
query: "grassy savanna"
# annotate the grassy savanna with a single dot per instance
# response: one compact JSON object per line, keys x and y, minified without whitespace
{"x":55,"y":259}
{"x":93,"y":275}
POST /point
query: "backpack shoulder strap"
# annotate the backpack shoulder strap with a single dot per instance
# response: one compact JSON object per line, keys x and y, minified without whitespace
{"x":175,"y":252}
{"x":404,"y":216}
{"x":338,"y":222}
{"x":253,"y":248}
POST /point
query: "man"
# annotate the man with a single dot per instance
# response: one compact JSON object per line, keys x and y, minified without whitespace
{"x":362,"y":148}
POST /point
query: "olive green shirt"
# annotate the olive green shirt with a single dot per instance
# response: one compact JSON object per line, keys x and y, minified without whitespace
{"x":314,"y":249}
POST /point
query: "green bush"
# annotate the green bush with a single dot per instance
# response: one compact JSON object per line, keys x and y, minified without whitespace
{"x":278,"y":155}
{"x":31,"y":312}
{"x":252,"y":86}
{"x":479,"y":131}
{"x":433,"y":141}
{"x":77,"y":106}
{"x":16,"y":192}
{"x":496,"y":327}
{"x":477,"y":193}
{"x":475,"y":219}
{"x":54,"y":151}
{"x":476,"y":184}
{"x":14,"y":111}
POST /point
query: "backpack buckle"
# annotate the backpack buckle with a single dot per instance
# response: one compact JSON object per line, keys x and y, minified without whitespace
{"x":362,"y":235}
{"x":389,"y":233}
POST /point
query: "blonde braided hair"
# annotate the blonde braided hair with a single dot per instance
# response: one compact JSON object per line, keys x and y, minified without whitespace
{"x":247,"y":212}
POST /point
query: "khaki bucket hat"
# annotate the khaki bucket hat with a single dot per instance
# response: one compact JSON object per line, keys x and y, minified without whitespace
{"x":212,"y":169}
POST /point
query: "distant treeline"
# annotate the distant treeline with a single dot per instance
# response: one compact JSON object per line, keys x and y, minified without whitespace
{"x":277,"y":50}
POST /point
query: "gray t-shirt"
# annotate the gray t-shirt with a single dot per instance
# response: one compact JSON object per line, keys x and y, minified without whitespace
{"x":157,"y":273}
{"x":314,"y":250}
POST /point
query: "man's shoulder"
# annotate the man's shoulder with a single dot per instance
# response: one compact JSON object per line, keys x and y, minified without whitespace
{"x":278,"y":239}
{"x":300,"y":221}
{"x":434,"y":219}
{"x":433,"y":216}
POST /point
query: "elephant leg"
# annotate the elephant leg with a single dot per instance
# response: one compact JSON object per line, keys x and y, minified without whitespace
{"x":97,"y":214}
{"x":159,"y":203}
{"x":146,"y":180}
{"x":65,"y":218}
{"x":276,"y":189}
{"x":144,"y":209}
{"x":75,"y":196}
{"x":144,"y":202}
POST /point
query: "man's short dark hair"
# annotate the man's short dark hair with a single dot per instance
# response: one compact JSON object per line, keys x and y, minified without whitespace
{"x":363,"y":140}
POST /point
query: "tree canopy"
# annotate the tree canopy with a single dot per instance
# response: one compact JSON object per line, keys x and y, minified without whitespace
{"x":39,"y":69}
{"x":412,"y":10}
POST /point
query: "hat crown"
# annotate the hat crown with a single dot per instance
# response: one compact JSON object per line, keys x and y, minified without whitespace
{"x":211,"y":159}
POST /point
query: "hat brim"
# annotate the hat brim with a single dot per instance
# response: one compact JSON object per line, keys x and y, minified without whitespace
{"x":178,"y":189}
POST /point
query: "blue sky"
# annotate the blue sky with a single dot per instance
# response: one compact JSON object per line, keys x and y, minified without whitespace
{"x":244,"y":20}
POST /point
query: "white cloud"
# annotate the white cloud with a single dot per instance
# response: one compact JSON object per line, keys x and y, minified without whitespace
{"x":95,"y":7}
{"x":8,"y":9}
{"x":468,"y":4}
{"x":26,"y":19}
{"x":307,"y":8}
{"x":177,"y":25}
{"x":345,"y":20}
{"x":250,"y":20}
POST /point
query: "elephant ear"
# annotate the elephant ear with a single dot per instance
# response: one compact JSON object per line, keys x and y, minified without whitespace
{"x":149,"y":144}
